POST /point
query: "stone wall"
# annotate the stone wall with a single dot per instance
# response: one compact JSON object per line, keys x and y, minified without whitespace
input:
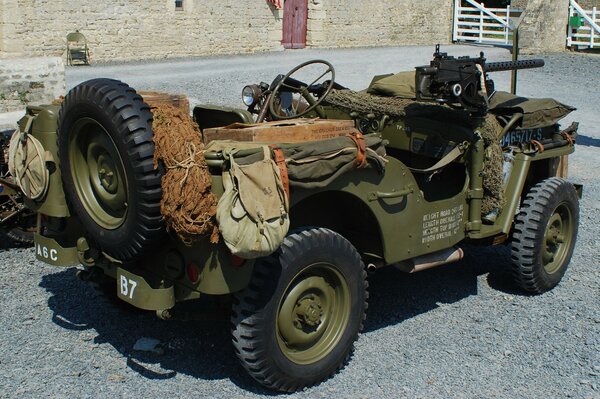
{"x":138,"y":29}
{"x":30,"y":81}
{"x":352,"y":23}
{"x":544,"y":27}
{"x":588,"y":4}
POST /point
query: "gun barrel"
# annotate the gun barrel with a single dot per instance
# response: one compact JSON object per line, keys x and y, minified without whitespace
{"x":511,"y":65}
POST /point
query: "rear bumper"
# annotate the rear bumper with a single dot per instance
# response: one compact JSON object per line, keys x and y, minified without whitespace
{"x":49,"y":251}
{"x":135,"y":290}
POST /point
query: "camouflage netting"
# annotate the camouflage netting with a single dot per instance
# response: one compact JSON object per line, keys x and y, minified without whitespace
{"x":368,"y":103}
{"x":188,"y":205}
{"x":493,"y":178}
{"x":363,"y":102}
{"x":493,"y":183}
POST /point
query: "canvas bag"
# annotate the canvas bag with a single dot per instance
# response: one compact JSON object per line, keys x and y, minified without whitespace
{"x":253,"y":212}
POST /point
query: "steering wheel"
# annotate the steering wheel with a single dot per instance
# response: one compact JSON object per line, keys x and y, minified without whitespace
{"x":302,"y":89}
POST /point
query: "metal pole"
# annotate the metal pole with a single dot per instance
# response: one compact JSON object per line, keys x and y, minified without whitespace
{"x":515,"y":57}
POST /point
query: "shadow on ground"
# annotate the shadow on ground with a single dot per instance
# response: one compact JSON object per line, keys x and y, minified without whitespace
{"x":588,"y":141}
{"x":203,"y":350}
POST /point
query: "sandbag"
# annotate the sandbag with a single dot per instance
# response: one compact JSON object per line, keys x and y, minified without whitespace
{"x":401,"y":85}
{"x":252,"y":214}
{"x":537,"y":112}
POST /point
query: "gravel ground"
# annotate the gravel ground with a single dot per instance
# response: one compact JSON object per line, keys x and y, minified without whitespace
{"x":459,"y":331}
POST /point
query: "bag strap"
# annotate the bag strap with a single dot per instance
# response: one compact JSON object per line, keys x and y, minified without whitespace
{"x":280,"y":162}
{"x":450,"y":157}
{"x":361,"y":149}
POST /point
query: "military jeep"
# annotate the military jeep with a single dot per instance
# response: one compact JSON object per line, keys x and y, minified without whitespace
{"x":297,"y":311}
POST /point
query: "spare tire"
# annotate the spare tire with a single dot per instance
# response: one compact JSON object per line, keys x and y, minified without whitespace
{"x":106,"y":158}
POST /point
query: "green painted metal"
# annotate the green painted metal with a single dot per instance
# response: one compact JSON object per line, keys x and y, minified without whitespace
{"x":514,"y":190}
{"x":313,"y":313}
{"x":49,"y":251}
{"x":475,"y":195}
{"x":558,"y":237}
{"x":375,"y":195}
{"x":98,"y":173}
{"x":409,"y":225}
{"x":217,"y":274}
{"x":207,"y":116}
{"x":576,"y":21}
{"x":135,"y":289}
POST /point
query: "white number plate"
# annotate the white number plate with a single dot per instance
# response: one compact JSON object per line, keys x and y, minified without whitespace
{"x":127,"y":286}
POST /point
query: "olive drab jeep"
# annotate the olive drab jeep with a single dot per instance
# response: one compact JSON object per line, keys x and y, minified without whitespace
{"x":306,"y":188}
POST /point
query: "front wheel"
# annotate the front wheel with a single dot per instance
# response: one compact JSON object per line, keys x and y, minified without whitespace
{"x":544,"y":235}
{"x":296,"y":322}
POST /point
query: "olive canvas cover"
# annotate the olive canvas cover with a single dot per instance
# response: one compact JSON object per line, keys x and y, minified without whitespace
{"x":401,"y":85}
{"x":537,"y":112}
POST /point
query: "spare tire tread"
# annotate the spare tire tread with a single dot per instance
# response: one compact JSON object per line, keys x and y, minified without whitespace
{"x":131,"y":130}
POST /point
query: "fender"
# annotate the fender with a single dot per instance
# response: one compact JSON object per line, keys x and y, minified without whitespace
{"x":398,"y":209}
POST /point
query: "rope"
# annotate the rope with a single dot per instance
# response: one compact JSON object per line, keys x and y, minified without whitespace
{"x":188,"y":206}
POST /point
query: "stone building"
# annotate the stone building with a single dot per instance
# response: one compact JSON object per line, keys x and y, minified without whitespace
{"x":136,"y":29}
{"x":588,"y":4}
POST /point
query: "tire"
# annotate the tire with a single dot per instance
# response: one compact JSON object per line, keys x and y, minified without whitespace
{"x":287,"y":330}
{"x":21,"y":235}
{"x":544,"y":235}
{"x":106,"y":158}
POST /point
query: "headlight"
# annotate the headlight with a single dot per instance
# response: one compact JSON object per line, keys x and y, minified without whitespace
{"x":250,"y":95}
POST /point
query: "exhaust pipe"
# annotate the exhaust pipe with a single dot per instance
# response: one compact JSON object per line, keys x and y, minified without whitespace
{"x":429,"y":261}
{"x":371,"y":268}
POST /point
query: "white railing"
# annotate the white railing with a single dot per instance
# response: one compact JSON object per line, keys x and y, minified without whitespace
{"x":479,"y":24}
{"x":587,"y":35}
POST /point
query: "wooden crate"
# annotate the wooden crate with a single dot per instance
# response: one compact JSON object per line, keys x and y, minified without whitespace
{"x":286,"y":131}
{"x":154,"y":99}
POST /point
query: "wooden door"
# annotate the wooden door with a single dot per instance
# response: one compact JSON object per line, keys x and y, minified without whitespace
{"x":295,"y":16}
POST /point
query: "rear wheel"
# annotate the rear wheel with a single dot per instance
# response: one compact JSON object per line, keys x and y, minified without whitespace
{"x":106,"y":157}
{"x":544,"y":235}
{"x":296,"y":322}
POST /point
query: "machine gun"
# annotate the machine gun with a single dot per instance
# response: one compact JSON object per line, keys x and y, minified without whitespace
{"x":463,"y":80}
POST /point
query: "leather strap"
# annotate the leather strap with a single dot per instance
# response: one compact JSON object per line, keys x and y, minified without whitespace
{"x":538,"y":145}
{"x":361,"y":149}
{"x":569,"y":139}
{"x":280,"y":162}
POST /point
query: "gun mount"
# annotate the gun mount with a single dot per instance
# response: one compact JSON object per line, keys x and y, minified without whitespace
{"x":463,"y":80}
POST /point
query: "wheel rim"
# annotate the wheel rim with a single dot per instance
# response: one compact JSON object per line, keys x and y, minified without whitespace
{"x":557,"y":238}
{"x":98,"y":173}
{"x":313,"y":313}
